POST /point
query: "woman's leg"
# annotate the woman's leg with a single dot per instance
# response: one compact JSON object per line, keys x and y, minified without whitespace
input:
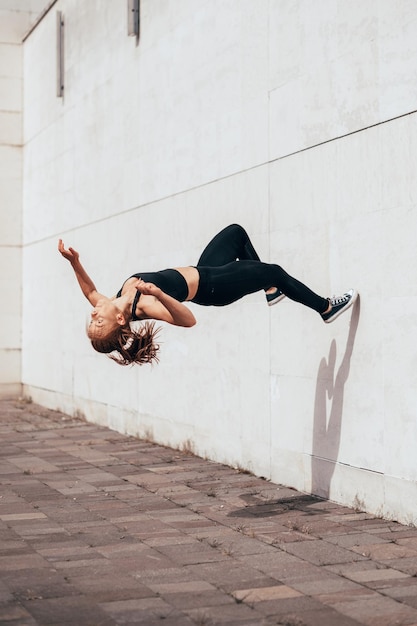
{"x":228,"y":245}
{"x":233,"y":243}
{"x":223,"y":285}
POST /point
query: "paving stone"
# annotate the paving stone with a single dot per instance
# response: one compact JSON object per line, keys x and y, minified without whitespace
{"x":12,"y":510}
{"x":52,"y":539}
{"x":377,"y":610}
{"x":322,"y":582}
{"x":68,"y":553}
{"x":343,"y":515}
{"x":319,"y":617}
{"x":195,"y":586}
{"x":43,"y":589}
{"x":238,"y":545}
{"x":330,"y":597}
{"x":99,"y":566}
{"x":36,"y":532}
{"x":274,"y":564}
{"x":125,"y":547}
{"x":295,"y":604}
{"x":299,"y":571}
{"x":72,"y":487}
{"x":377,"y":575}
{"x":286,"y":536}
{"x":195,"y":552}
{"x":14,"y":546}
{"x":14,"y":613}
{"x":355,"y":570}
{"x":370,"y":525}
{"x":167,"y":575}
{"x":385,"y":551}
{"x":19,"y":579}
{"x":93,"y":476}
{"x":406,"y":594}
{"x":396,"y":532}
{"x":22,"y":561}
{"x":189,"y":600}
{"x":67,"y":610}
{"x":138,"y":610}
{"x":397,"y":588}
{"x":408,"y":542}
{"x":229,"y":614}
{"x":355,"y":540}
{"x":109,"y":587}
{"x":32,"y":464}
{"x":230,"y":575}
{"x":95,"y":533}
{"x":71,"y":515}
{"x":171,"y":538}
{"x":193,"y":526}
{"x":406,"y":565}
{"x":99,"y":528}
{"x":322,"y":553}
{"x":263,"y":594}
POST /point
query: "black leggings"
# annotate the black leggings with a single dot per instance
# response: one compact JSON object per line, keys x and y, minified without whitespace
{"x":230,"y":268}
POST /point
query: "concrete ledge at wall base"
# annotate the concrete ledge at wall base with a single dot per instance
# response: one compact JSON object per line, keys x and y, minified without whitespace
{"x":10,"y":390}
{"x":388,"y":497}
{"x":120,"y":419}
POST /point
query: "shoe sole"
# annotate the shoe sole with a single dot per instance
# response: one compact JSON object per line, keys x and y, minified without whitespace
{"x":276,"y":300}
{"x":345,"y":308}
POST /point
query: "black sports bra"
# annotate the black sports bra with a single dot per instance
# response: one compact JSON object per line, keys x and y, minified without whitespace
{"x":170,"y":281}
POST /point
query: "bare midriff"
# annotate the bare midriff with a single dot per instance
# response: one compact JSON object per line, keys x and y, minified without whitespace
{"x":192,"y":278}
{"x":190,"y":275}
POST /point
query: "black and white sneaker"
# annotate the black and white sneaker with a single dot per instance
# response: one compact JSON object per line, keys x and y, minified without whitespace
{"x":340,"y":304}
{"x":274,"y":297}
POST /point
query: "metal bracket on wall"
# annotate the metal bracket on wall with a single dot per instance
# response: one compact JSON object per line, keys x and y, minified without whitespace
{"x":59,"y":54}
{"x":133,"y":18}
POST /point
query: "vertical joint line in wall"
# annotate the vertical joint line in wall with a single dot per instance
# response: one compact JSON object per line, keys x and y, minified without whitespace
{"x":268,"y":69}
{"x":268,"y":166}
{"x":59,"y":54}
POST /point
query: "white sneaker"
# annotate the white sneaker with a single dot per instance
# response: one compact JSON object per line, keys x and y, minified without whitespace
{"x":340,"y":304}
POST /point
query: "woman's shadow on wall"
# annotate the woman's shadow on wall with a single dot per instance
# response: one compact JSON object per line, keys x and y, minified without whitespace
{"x":330,"y":388}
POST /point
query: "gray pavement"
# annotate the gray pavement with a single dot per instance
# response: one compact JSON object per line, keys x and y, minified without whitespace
{"x":99,"y":529}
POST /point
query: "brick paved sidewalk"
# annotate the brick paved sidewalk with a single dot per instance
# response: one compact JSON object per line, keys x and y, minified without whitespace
{"x":101,"y":529}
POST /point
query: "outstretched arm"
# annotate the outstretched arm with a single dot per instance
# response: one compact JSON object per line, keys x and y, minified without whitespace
{"x":86,"y":284}
{"x":164,"y":307}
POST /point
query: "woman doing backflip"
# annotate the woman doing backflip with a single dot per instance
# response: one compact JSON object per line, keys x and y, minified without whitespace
{"x":228,"y":269}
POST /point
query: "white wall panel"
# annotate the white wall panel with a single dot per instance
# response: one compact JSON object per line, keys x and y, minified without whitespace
{"x":15,"y":19}
{"x":337,"y":67}
{"x":291,"y":117}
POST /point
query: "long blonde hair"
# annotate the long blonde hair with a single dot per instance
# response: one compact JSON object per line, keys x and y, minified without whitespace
{"x":126,"y":346}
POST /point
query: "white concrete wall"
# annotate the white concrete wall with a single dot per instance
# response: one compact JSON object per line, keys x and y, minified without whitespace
{"x":293,"y":118}
{"x":16,"y":16}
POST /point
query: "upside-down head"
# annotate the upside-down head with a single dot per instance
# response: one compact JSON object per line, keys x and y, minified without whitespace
{"x":125,"y":345}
